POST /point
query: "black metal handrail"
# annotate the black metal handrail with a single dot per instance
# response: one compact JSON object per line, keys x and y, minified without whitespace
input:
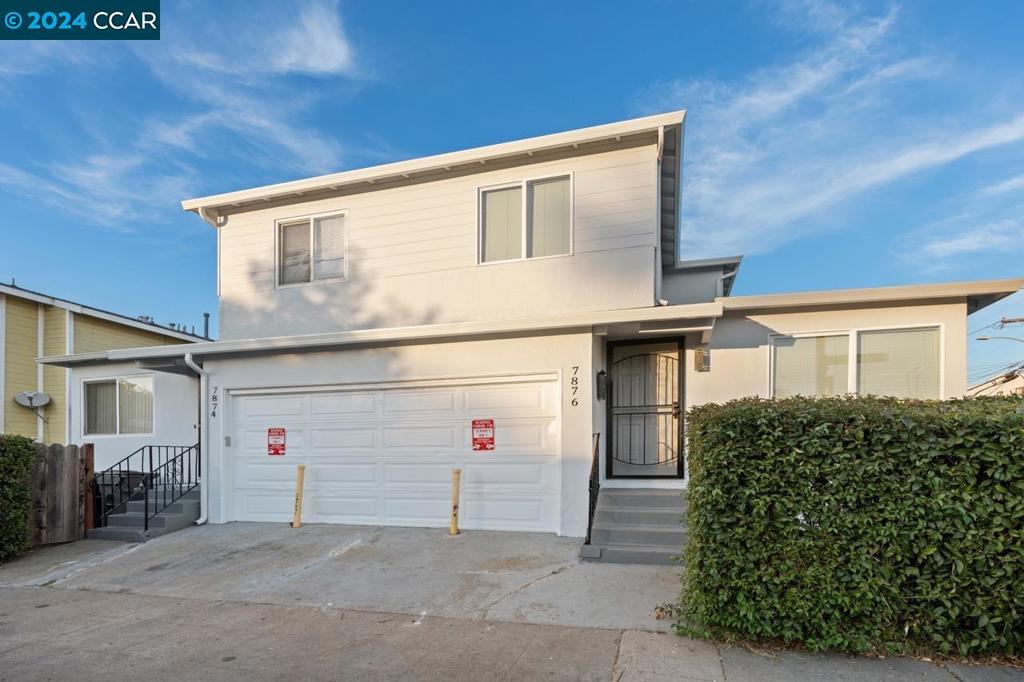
{"x":174,"y":475}
{"x":132,"y":477}
{"x":595,"y":484}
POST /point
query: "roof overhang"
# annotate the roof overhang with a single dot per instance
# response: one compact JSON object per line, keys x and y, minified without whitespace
{"x":651,"y":321}
{"x":977,"y":295}
{"x":18,"y":292}
{"x":645,"y":130}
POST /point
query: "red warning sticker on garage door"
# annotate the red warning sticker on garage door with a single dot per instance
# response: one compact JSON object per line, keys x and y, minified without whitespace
{"x":276,"y":440}
{"x":483,"y":434}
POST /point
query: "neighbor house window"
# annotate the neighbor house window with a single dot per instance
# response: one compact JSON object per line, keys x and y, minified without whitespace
{"x":530,"y":219}
{"x":811,"y":365}
{"x":901,"y":363}
{"x":311,"y":249}
{"x":119,"y":406}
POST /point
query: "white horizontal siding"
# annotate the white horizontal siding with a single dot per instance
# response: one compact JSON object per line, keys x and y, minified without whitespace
{"x":412,"y":254}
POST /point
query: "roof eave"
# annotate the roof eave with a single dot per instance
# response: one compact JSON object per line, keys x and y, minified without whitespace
{"x":295,"y":188}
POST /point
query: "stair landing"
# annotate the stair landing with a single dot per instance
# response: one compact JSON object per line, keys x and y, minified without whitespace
{"x":637,"y":526}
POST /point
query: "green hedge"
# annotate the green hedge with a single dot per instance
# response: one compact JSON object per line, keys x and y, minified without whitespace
{"x":16,"y":457}
{"x":858,"y":524}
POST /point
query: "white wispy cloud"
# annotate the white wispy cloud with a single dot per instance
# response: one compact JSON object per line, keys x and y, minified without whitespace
{"x":240,"y":99}
{"x":1013,"y":184}
{"x":784,"y":152}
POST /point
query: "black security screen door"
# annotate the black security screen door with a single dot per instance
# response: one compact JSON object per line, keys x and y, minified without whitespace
{"x":645,"y":411}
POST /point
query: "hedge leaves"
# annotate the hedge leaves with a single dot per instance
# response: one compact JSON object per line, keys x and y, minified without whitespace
{"x":858,"y":523}
{"x":16,"y":457}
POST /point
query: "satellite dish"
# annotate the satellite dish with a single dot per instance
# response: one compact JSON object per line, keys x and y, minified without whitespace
{"x":31,"y":399}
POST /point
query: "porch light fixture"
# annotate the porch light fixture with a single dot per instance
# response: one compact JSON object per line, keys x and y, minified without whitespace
{"x":601,"y":385}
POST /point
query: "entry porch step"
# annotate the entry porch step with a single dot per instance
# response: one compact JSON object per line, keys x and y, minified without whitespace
{"x":128,"y":526}
{"x":637,"y":526}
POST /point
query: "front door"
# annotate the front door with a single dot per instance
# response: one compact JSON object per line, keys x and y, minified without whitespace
{"x":645,"y":400}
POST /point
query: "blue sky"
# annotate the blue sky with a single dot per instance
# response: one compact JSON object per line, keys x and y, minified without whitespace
{"x":834,"y":145}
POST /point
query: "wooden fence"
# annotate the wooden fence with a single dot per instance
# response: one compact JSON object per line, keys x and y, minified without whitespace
{"x":61,"y":501}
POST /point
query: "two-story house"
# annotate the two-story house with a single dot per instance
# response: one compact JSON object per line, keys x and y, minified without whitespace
{"x":520,"y":312}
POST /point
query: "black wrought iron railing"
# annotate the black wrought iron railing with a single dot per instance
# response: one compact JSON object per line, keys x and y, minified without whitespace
{"x":595,"y":483}
{"x":160,"y":475}
{"x":173,"y":476}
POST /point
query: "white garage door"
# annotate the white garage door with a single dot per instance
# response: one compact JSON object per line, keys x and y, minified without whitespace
{"x":384,"y":454}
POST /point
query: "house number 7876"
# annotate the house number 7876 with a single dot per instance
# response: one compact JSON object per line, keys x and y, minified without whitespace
{"x":574,"y":386}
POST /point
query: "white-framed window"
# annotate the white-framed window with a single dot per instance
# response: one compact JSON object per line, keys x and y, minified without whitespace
{"x":903,"y":362}
{"x":311,"y":249}
{"x":119,"y":406}
{"x":526,"y":219}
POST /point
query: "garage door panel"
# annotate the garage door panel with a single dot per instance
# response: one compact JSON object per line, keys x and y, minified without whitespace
{"x":385,"y":455}
{"x":407,"y":473}
{"x":343,"y":405}
{"x":342,"y":439}
{"x":494,"y":474}
{"x":420,"y":437}
{"x":345,"y":474}
{"x":507,"y":513}
{"x":531,"y":398}
{"x":420,"y":402}
{"x":343,"y":509}
{"x":274,"y":405}
{"x":254,"y":441}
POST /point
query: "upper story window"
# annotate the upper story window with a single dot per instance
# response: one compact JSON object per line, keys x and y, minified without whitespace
{"x":531,"y":219}
{"x":902,"y":363}
{"x":119,"y":406}
{"x":311,"y":249}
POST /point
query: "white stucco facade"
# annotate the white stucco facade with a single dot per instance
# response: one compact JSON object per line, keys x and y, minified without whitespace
{"x":175,"y":411}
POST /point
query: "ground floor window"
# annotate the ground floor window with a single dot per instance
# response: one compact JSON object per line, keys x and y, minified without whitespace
{"x":902,"y":363}
{"x":119,"y":406}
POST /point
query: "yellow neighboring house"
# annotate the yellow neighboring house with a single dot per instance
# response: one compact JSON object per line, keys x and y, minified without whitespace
{"x":33,"y":325}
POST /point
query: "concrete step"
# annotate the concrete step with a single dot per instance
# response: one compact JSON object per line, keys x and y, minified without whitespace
{"x":637,"y":534}
{"x":630,"y":554}
{"x":641,"y":497}
{"x":173,"y":508}
{"x":639,"y":515}
{"x":135,"y":520}
{"x":121,"y":534}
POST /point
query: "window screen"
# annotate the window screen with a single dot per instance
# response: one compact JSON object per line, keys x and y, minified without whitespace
{"x":101,"y":407}
{"x":547,"y":230}
{"x":502,"y":232}
{"x":811,"y":365}
{"x":902,"y":363}
{"x":294,"y":253}
{"x":329,"y":235}
{"x":135,"y":405}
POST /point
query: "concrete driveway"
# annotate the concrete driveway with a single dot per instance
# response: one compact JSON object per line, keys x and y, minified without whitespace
{"x":266,"y":602}
{"x":516,"y":577}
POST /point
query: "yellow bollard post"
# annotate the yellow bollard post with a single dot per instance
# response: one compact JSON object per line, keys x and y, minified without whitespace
{"x":453,"y":529}
{"x":300,"y":477}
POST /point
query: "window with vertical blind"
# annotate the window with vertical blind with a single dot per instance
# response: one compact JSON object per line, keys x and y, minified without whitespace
{"x":901,"y":363}
{"x":811,"y":365}
{"x":531,"y":219}
{"x":118,"y":406}
{"x":311,"y":249}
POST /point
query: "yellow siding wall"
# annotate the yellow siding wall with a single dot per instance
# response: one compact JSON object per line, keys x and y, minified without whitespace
{"x":20,"y":340}
{"x":92,"y":334}
{"x":55,"y":343}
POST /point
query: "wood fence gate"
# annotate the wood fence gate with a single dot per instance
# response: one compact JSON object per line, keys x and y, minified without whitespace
{"x":61,"y":497}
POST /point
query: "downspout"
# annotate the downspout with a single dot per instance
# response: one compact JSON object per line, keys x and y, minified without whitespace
{"x":658,"y":267}
{"x":204,"y":441}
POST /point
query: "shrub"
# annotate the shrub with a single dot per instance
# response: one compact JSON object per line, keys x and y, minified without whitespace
{"x":16,"y":457}
{"x":858,"y":524}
